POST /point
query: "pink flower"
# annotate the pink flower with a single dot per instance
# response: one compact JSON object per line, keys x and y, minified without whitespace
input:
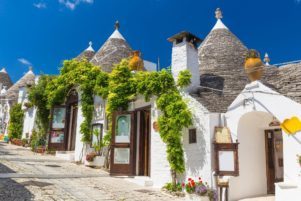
{"x":183,"y":184}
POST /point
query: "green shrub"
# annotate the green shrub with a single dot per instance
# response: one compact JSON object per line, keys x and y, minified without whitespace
{"x":174,"y":188}
{"x":15,"y":126}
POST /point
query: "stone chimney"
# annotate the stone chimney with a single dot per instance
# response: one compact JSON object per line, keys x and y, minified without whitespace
{"x":185,"y":57}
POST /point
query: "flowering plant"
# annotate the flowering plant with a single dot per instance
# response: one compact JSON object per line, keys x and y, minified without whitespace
{"x":200,"y":188}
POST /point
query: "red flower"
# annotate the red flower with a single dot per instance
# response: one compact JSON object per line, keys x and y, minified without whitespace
{"x":200,"y":178}
{"x":183,"y":184}
{"x":192,"y":183}
{"x":189,"y":179}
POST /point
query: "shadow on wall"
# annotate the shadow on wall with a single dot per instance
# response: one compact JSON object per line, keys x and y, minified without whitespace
{"x":10,"y":190}
{"x":195,"y":153}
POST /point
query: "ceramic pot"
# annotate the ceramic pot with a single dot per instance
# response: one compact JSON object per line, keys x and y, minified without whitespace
{"x":98,"y":161}
{"x":194,"y":197}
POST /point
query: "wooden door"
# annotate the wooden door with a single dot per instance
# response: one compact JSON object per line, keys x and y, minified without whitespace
{"x":57,"y":137}
{"x":270,"y":161}
{"x":123,"y":143}
{"x":144,"y":143}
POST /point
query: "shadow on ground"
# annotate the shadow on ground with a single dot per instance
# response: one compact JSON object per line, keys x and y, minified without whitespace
{"x":10,"y":190}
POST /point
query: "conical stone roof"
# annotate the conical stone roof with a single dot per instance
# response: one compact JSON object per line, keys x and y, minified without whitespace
{"x":13,"y":92}
{"x":5,"y":79}
{"x":112,"y":52}
{"x":87,"y":53}
{"x":221,"y":58}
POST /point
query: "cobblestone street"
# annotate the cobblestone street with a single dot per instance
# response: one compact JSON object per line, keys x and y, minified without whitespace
{"x":28,"y":176}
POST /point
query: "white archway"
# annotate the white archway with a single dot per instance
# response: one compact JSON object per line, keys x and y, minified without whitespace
{"x":252,"y":179}
{"x":257,"y":98}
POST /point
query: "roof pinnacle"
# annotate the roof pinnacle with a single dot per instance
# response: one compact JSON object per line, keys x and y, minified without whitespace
{"x":3,"y":70}
{"x":266,"y":59}
{"x":218,"y":14}
{"x":117,"y":25}
{"x":90,"y":48}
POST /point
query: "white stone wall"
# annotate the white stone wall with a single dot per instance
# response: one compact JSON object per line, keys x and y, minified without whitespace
{"x":29,"y":122}
{"x":79,"y":153}
{"x":160,"y":169}
{"x":291,"y":148}
{"x":29,"y":113}
{"x":252,"y":179}
{"x":149,"y":66}
{"x":185,"y":57}
{"x":198,"y":158}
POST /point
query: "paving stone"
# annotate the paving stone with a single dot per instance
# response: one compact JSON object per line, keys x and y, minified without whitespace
{"x":33,"y":177}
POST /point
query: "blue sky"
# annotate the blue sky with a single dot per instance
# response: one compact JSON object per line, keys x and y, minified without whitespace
{"x":43,"y":33}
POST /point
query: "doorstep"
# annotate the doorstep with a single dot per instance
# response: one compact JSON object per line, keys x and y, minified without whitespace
{"x":263,"y":198}
{"x":65,"y":155}
{"x":140,"y":180}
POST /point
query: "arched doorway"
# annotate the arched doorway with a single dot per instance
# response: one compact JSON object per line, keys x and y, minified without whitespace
{"x":71,"y":117}
{"x":260,"y":156}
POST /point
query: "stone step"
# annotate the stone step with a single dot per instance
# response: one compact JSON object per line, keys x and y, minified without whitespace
{"x":65,"y":155}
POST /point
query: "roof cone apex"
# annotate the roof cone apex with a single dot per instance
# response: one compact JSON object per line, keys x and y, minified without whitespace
{"x":219,"y":25}
{"x":117,"y":34}
{"x":30,"y":71}
{"x":3,"y":70}
{"x":90,"y":48}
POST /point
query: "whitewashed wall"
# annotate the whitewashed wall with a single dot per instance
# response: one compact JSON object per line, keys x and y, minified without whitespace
{"x":185,"y":57}
{"x":252,"y":179}
{"x":160,"y":169}
{"x":79,"y":153}
{"x":29,"y":114}
{"x":29,"y":121}
{"x":198,"y":156}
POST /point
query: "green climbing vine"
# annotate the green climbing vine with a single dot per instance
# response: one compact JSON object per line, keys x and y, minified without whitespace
{"x":124,"y":86}
{"x":83,"y":76}
{"x":120,"y":87}
{"x":15,"y":126}
{"x":38,"y":97}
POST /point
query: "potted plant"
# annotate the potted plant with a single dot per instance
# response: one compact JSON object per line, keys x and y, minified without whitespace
{"x":40,"y":149}
{"x":17,"y":141}
{"x":198,"y":190}
{"x":96,"y":158}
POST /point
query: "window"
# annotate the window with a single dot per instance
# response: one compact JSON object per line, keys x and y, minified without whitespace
{"x":192,"y":136}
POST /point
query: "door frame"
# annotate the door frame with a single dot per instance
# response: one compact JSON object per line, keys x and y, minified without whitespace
{"x":144,"y":143}
{"x":270,"y":160}
{"x":72,"y":111}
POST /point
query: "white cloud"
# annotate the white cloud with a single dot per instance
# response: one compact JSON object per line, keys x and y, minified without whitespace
{"x":71,"y":4}
{"x":40,"y":5}
{"x":24,"y":61}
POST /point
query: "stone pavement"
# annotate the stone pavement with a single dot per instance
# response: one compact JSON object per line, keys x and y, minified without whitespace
{"x":26,"y":176}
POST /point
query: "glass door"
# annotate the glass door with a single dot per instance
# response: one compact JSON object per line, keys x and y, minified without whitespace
{"x":57,"y":139}
{"x":122,"y":152}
